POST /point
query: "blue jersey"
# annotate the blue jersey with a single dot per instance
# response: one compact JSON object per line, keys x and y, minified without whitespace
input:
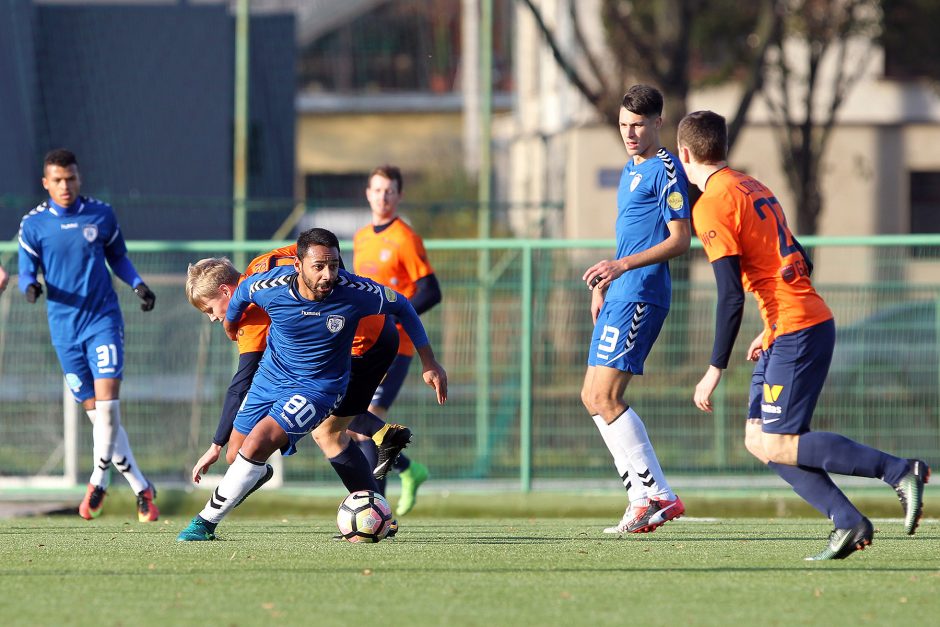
{"x":70,"y":245}
{"x":310,"y":342}
{"x":650,"y":195}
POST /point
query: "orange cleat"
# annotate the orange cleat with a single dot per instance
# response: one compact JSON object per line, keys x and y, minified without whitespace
{"x":91,"y":504}
{"x":146,"y":509}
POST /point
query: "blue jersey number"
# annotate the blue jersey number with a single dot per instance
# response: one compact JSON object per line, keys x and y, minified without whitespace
{"x":788,"y":245}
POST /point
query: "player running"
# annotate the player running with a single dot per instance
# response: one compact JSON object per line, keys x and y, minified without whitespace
{"x":629,"y":303}
{"x":210,"y":284}
{"x":751,"y":248}
{"x":73,"y":240}
{"x":390,"y":252}
{"x":314,"y":308}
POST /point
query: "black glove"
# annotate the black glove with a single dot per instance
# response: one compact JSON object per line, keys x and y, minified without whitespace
{"x":143,"y":292}
{"x":33,"y":291}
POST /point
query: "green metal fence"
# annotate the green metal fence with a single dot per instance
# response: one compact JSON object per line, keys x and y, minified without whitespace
{"x":528,"y":355}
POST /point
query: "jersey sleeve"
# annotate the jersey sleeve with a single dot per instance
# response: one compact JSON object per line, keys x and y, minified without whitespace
{"x":399,"y":306}
{"x":29,"y":256}
{"x":239,"y":302}
{"x":673,"y":194}
{"x":253,"y":330}
{"x":414,"y":258}
{"x":718,"y":225}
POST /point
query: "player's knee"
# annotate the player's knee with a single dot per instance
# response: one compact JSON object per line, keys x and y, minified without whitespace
{"x":754,"y":446}
{"x":779,"y":448}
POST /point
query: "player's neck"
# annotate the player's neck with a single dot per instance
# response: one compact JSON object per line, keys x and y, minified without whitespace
{"x":648,"y":154}
{"x":64,"y":210}
{"x":380,"y":224}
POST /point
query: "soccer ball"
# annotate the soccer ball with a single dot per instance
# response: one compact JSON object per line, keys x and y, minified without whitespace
{"x":364,"y":516}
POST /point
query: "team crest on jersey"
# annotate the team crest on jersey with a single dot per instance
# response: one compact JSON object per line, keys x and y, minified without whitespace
{"x":390,"y":294}
{"x":90,"y":232}
{"x":675,"y":200}
{"x":335,"y":324}
{"x":636,"y":181}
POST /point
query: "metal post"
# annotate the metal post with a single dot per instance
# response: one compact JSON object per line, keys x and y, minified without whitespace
{"x":525,"y":373}
{"x":483,"y":269}
{"x":69,"y":436}
{"x":240,"y":132}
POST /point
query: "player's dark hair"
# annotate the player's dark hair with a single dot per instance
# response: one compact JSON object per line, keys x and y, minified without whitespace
{"x":60,"y":157}
{"x":643,"y":100}
{"x":391,"y":172}
{"x":705,"y":134}
{"x":315,"y":237}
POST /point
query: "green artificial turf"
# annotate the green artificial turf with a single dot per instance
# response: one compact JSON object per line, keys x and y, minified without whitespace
{"x":458,"y":571}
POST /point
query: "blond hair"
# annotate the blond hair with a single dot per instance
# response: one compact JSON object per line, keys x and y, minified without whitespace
{"x":205,"y":277}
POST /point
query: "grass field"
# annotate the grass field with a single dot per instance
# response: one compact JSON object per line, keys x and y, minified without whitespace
{"x":498,"y":570}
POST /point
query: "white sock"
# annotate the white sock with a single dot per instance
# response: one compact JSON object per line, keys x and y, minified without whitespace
{"x":630,"y":433}
{"x":636,"y":491}
{"x":107,"y":420}
{"x":240,"y":477}
{"x":124,"y":461}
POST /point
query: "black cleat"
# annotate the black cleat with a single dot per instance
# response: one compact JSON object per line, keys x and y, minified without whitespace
{"x":268,"y":473}
{"x":910,"y":491}
{"x":396,"y":438}
{"x":844,"y":542}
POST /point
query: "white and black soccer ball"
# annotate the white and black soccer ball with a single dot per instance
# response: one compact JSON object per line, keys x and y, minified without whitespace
{"x":364,"y":516}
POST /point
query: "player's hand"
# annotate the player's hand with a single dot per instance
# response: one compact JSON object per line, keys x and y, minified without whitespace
{"x":597,"y":301}
{"x":756,"y":348}
{"x":705,"y":387}
{"x":603,"y":273}
{"x":33,"y":291}
{"x":231,"y":329}
{"x":435,"y":376}
{"x":143,"y":292}
{"x":208,"y":458}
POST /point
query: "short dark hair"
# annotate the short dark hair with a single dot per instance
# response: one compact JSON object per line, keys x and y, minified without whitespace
{"x":643,"y":100}
{"x":391,"y":172}
{"x":60,"y":157}
{"x":315,"y":237}
{"x":705,"y":134}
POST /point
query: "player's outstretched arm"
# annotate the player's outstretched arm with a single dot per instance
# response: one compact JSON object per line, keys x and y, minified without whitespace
{"x":433,"y":372}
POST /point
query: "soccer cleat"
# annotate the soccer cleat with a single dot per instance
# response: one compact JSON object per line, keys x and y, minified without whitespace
{"x":659,"y":512}
{"x":392,"y":529}
{"x":268,"y":473}
{"x":91,"y":504}
{"x":629,"y":516}
{"x":910,"y":491}
{"x":396,"y":438}
{"x":146,"y":509}
{"x":198,"y":530}
{"x":411,"y":480}
{"x":844,"y":542}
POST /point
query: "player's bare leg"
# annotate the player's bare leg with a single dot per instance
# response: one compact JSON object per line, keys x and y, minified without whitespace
{"x":625,"y":435}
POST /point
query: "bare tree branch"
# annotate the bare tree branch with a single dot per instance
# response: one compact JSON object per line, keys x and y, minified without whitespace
{"x":591,"y":58}
{"x":566,"y":66}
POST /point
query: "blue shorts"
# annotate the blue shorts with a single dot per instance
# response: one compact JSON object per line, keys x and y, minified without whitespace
{"x":296,"y":411}
{"x":390,"y":386}
{"x":625,"y":334}
{"x":100,"y":356}
{"x":788,"y":378}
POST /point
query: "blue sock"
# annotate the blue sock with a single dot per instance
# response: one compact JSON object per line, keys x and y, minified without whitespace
{"x":353,"y":469}
{"x":401,"y":464}
{"x":836,"y":453}
{"x":816,"y":488}
{"x":371,"y":452}
{"x":366,"y":424}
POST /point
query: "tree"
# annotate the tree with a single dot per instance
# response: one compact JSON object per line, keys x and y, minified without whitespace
{"x":804,"y":99}
{"x":673,"y":44}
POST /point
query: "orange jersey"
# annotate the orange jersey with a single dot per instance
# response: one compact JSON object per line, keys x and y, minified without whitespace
{"x":394,"y":257}
{"x":738,"y":216}
{"x":253,"y":327}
